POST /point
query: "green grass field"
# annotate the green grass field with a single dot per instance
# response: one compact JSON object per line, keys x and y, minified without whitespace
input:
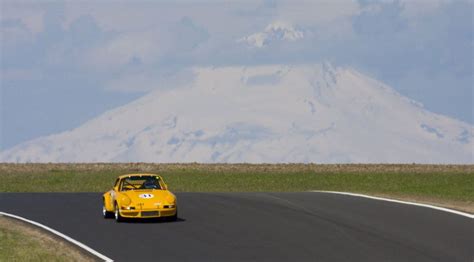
{"x":449,"y":182}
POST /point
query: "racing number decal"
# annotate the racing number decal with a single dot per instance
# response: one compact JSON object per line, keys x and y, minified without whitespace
{"x":146,"y":196}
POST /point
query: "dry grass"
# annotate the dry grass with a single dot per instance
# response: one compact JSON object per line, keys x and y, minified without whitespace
{"x":22,"y":242}
{"x":244,"y":168}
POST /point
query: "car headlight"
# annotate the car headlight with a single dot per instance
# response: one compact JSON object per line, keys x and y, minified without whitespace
{"x":171,"y":199}
{"x":125,"y":201}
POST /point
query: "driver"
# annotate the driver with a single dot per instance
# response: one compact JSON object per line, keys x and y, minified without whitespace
{"x":150,"y":183}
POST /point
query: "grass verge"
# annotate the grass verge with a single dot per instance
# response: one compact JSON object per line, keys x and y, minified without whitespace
{"x":451,"y":184}
{"x":22,"y":242}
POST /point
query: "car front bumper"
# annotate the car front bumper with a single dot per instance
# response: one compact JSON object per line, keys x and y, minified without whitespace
{"x":148,"y":213}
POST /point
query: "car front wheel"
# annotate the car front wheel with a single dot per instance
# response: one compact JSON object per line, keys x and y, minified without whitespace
{"x":175,"y":217}
{"x":118,"y":217}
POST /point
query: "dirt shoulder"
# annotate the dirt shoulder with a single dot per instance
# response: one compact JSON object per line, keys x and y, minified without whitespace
{"x":463,"y":206}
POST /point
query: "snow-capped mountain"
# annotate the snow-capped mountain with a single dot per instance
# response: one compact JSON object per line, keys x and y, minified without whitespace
{"x":277,"y":31}
{"x":276,"y":113}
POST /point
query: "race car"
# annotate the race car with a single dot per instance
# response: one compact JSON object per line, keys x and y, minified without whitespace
{"x":139,"y":196}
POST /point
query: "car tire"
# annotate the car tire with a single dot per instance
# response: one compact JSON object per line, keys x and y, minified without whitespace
{"x":175,"y":217}
{"x":106,"y":213}
{"x":117,"y":215}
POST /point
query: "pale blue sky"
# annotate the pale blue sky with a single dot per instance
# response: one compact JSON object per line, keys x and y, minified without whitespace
{"x":66,"y":62}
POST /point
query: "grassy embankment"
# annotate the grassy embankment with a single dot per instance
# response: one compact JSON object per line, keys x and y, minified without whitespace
{"x":21,"y":242}
{"x":444,"y":184}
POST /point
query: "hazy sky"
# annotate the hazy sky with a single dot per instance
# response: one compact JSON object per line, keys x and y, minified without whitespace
{"x":66,"y":62}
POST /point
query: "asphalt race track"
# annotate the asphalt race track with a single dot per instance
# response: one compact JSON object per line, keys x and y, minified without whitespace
{"x":258,"y":227}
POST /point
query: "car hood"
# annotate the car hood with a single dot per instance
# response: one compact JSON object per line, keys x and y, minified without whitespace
{"x":150,"y":196}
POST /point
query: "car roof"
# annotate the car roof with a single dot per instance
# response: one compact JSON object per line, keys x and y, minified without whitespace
{"x":138,"y":175}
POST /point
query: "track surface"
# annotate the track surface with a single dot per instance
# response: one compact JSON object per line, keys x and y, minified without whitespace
{"x":258,"y":227}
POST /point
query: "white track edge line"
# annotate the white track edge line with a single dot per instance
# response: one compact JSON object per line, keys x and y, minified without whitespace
{"x":57,"y":233}
{"x":399,"y":201}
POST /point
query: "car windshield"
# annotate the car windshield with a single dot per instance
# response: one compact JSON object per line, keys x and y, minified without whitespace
{"x":140,"y":182}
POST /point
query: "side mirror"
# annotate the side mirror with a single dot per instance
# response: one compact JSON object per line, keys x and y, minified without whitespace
{"x":165,"y":186}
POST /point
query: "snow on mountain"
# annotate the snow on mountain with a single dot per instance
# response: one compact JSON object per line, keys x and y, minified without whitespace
{"x":275,"y":113}
{"x":277,"y":31}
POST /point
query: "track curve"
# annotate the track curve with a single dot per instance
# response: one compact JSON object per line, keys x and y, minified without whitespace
{"x":305,"y":226}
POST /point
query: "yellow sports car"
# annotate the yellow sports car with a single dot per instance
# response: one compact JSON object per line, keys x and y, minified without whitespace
{"x":139,"y":196}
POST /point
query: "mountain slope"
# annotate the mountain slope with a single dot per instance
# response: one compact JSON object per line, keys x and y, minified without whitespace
{"x":310,"y":113}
